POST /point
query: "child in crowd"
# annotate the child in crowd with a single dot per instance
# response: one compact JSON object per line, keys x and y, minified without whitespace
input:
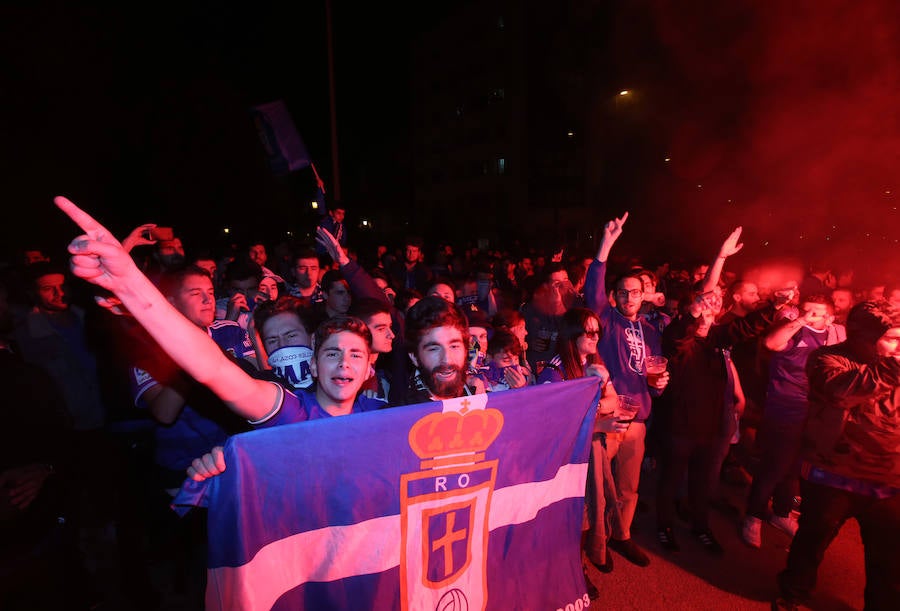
{"x":504,"y":371}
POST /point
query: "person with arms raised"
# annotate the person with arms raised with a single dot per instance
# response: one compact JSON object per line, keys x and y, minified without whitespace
{"x":695,"y":416}
{"x":98,"y":257}
{"x":626,"y":341}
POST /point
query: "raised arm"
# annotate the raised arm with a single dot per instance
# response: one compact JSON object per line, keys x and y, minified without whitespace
{"x":732,"y":245}
{"x":331,"y":245}
{"x":136,"y":237}
{"x":595,"y":281}
{"x":778,"y":337}
{"x":611,"y":232}
{"x":98,"y":257}
{"x":837,"y":381}
{"x":361,"y":284}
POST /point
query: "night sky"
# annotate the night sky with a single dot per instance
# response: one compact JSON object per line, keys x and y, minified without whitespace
{"x":782,"y":118}
{"x":141,"y":114}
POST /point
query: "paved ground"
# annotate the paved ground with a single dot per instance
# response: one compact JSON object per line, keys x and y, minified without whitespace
{"x":744,"y":579}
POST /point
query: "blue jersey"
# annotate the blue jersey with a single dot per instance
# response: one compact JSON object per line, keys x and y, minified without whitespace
{"x":232,"y":338}
{"x":303,"y":406}
{"x":788,"y":384}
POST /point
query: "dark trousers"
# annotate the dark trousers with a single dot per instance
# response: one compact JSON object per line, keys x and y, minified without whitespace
{"x":823,"y":512}
{"x":680,"y":456}
{"x":778,"y":474}
{"x":721,"y":448}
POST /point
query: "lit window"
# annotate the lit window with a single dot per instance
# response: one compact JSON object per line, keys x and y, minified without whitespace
{"x":501,"y":165}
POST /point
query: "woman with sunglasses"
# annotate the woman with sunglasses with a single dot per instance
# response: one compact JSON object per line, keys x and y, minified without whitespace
{"x":577,"y":357}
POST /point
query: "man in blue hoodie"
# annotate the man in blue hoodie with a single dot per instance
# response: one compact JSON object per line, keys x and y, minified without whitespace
{"x":626,"y":340}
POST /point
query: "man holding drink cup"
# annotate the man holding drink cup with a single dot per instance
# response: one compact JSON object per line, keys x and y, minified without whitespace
{"x":626,"y":342}
{"x":656,"y":367}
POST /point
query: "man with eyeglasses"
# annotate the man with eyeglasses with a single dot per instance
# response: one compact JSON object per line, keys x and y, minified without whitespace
{"x":626,"y":340}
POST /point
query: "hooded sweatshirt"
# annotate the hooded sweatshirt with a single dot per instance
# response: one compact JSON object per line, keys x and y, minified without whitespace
{"x":852,"y":437}
{"x":623,"y":343}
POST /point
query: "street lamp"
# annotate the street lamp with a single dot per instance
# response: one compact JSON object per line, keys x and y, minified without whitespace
{"x":624,"y":96}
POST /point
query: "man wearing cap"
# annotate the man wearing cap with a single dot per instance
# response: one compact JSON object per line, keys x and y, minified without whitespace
{"x":851,"y":457}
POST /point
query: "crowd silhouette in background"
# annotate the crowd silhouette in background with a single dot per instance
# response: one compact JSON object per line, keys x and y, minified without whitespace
{"x":128,"y":366}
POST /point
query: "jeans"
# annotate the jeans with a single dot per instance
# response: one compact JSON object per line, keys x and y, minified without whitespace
{"x":822,"y":514}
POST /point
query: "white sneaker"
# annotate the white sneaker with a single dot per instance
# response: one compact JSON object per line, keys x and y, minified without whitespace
{"x":787,"y":524}
{"x":751,"y":531}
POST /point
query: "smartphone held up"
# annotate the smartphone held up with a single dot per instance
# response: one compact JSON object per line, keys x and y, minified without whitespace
{"x":159,"y":234}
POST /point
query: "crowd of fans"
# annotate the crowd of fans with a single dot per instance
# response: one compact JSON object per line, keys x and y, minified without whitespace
{"x":118,"y":391}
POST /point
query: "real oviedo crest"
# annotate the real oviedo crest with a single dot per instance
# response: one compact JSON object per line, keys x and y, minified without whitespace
{"x":444,"y":508}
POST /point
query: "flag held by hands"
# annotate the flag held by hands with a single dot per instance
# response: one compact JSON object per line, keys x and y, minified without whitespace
{"x":471,"y":503}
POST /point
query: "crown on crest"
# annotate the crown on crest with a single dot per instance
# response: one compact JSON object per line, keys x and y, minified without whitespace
{"x":442,"y":434}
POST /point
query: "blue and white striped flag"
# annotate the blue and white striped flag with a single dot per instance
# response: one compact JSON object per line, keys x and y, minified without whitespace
{"x":474,"y":503}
